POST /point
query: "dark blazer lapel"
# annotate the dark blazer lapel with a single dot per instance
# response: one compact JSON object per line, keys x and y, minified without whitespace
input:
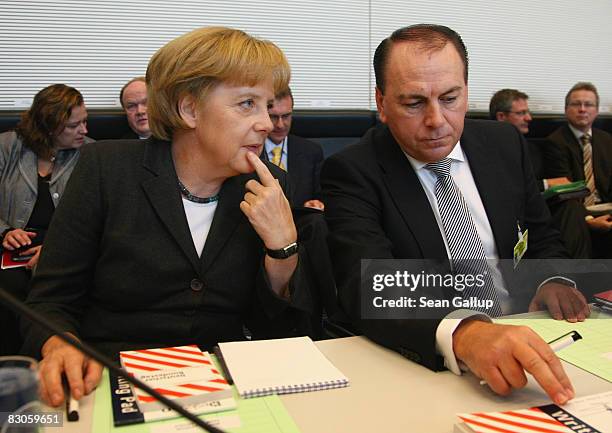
{"x":165,"y":198}
{"x":294,"y":154}
{"x":227,"y":217}
{"x":575,"y":147}
{"x":601,"y":164}
{"x":407,"y":193}
{"x":484,"y":166}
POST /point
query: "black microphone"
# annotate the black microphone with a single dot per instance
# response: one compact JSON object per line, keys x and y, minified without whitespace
{"x":14,"y":304}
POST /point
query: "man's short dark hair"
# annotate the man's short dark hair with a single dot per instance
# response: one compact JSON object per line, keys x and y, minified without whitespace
{"x":582,"y":85}
{"x":133,"y":80}
{"x":502,"y":100}
{"x":432,"y":37}
{"x":283,"y":94}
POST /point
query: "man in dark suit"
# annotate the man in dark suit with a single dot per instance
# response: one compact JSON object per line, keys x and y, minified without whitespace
{"x":382,"y":202}
{"x":512,"y":106}
{"x":301,"y":158}
{"x":133,"y":98}
{"x":565,"y":156}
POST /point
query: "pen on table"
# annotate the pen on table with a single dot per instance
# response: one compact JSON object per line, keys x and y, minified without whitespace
{"x":72,"y":404}
{"x":72,"y":408}
{"x":223,"y":365}
{"x":558,"y":344}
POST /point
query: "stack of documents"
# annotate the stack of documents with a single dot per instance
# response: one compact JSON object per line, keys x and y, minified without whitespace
{"x":184,"y":374}
{"x":587,"y":414}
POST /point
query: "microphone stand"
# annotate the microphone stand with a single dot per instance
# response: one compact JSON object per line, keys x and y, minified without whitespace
{"x":16,"y":305}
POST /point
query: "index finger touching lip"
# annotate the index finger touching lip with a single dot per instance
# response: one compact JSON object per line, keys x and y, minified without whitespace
{"x":264,"y":174}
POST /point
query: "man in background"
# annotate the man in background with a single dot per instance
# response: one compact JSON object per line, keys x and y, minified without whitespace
{"x":580,"y":152}
{"x":301,"y":158}
{"x":133,"y":97}
{"x":512,"y":106}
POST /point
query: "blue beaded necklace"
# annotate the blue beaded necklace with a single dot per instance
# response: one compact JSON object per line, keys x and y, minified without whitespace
{"x":194,"y":198}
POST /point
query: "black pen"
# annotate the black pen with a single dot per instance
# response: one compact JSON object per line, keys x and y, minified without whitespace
{"x":72,"y":404}
{"x":223,"y":365}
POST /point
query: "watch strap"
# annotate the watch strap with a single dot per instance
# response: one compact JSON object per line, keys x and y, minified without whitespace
{"x":283,"y":253}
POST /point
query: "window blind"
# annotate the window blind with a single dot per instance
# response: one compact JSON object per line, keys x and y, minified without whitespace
{"x":541,"y":48}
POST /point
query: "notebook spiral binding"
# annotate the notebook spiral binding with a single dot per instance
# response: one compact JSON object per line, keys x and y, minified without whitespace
{"x":290,"y":389}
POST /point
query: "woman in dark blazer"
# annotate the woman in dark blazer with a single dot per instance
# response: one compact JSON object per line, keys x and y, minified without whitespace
{"x":184,"y":238}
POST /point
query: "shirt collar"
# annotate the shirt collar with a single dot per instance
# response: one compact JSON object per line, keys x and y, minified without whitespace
{"x":578,"y":133}
{"x":455,"y":155}
{"x":269,"y":144}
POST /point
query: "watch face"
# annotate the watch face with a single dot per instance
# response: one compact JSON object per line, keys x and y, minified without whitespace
{"x":291,"y":249}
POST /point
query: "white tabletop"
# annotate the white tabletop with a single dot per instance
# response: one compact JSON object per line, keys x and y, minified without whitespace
{"x":390,"y":393}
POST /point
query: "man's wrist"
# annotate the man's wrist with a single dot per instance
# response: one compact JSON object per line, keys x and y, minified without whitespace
{"x":54,"y":340}
{"x":558,"y":279}
{"x":463,"y":330}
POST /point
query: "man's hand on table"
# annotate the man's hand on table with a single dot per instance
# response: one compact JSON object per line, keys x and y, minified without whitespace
{"x":561,"y":301}
{"x":500,"y":354}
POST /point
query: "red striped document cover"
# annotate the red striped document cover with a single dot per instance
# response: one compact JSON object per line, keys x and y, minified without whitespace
{"x":592,"y":414}
{"x":183,"y":373}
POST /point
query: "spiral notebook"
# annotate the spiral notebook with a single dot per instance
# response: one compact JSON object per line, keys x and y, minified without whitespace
{"x":281,"y":366}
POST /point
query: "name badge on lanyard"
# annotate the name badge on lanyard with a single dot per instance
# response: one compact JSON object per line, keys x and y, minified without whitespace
{"x":521,"y":246}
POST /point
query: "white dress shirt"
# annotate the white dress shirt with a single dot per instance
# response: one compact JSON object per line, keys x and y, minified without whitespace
{"x":269,"y":145}
{"x":463,"y":178}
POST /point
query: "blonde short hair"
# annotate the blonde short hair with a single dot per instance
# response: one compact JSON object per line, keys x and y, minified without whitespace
{"x":194,"y":63}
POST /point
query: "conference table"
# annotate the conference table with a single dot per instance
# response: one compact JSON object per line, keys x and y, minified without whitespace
{"x":390,"y":393}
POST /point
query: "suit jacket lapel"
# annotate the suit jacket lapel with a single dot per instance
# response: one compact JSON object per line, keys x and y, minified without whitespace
{"x":484,"y":167}
{"x":293,"y":157}
{"x":575,"y":147}
{"x":28,"y":167}
{"x":165,"y":197}
{"x":600,"y":161}
{"x":227,"y":217}
{"x":408,"y":195}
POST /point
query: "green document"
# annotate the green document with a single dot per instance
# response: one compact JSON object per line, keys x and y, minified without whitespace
{"x":593,"y":353}
{"x":253,"y":415}
{"x":565,"y":188}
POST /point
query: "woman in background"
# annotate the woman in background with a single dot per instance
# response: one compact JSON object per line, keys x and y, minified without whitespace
{"x":183,"y":238}
{"x":36,"y":161}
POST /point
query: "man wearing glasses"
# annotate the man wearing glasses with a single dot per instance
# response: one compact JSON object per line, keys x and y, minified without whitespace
{"x":580,"y":152}
{"x":133,"y":98}
{"x":512,"y":106}
{"x":301,"y":158}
